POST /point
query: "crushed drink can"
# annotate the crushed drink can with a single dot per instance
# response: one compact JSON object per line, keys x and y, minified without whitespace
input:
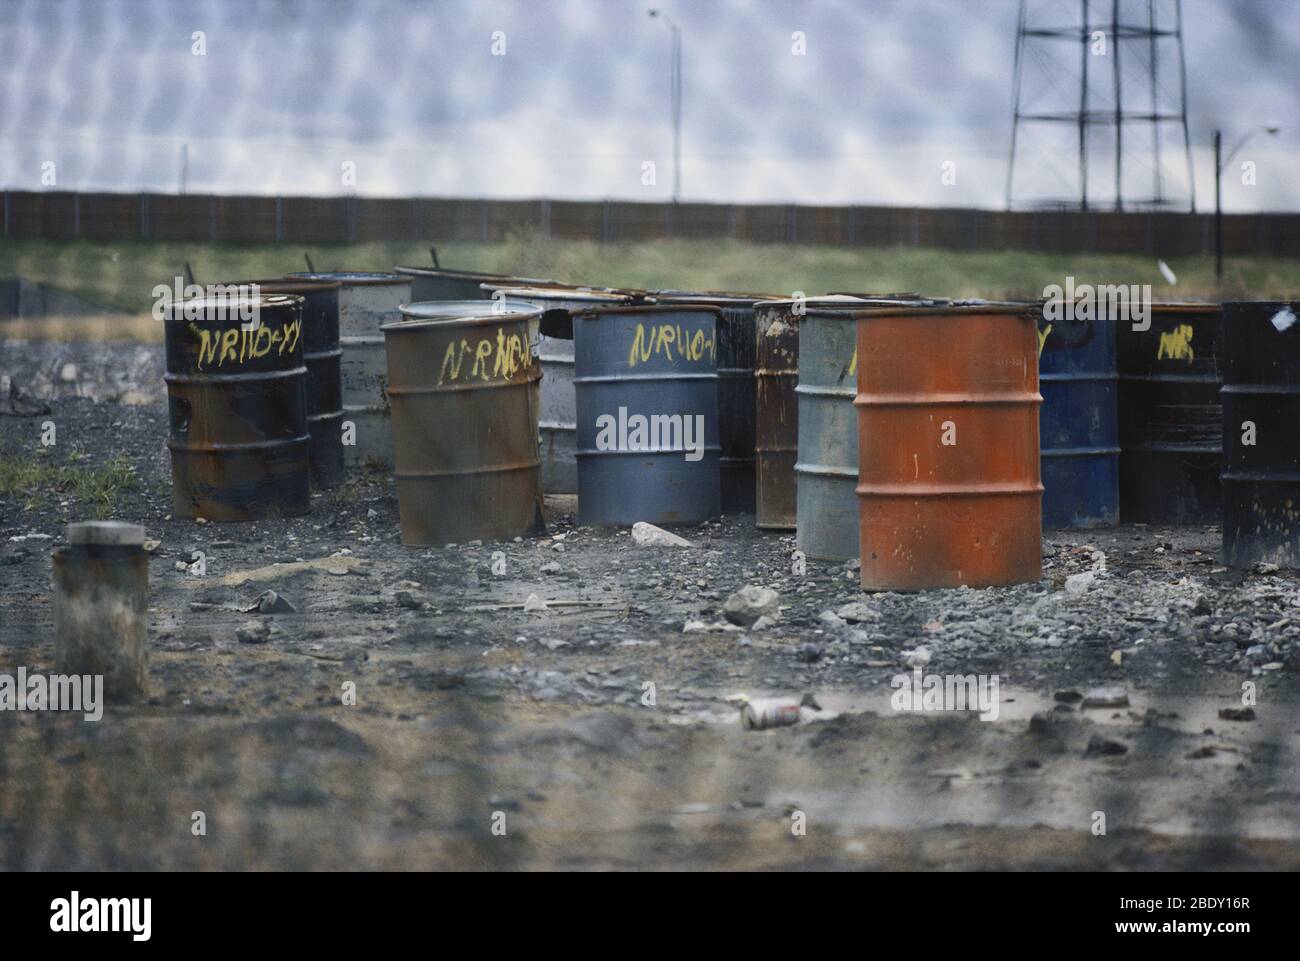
{"x":768,"y":712}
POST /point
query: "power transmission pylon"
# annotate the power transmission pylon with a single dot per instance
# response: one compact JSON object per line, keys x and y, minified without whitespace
{"x":1111,"y":30}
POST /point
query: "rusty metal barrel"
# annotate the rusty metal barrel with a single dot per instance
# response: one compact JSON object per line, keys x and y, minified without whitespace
{"x":322,"y":357}
{"x":367,"y":301}
{"x":1261,"y":434}
{"x":462,"y":380}
{"x":776,"y":413}
{"x":1170,"y":416}
{"x":237,"y":405}
{"x":646,"y":382}
{"x":948,"y":488}
{"x":437,"y":283}
{"x":1078,"y":427}
{"x":558,"y":418}
{"x":737,"y":390}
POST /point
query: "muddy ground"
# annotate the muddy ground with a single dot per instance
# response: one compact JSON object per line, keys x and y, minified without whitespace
{"x":472,"y":713}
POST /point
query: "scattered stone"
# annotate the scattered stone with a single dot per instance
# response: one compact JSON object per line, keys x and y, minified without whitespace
{"x":1202,"y":606}
{"x":1099,"y":746}
{"x":270,"y":602}
{"x":1105,"y":697}
{"x":647,"y":535}
{"x":1079,"y":583}
{"x":151,"y":545}
{"x":858,"y":612}
{"x":750,"y":603}
{"x":1067,"y":697}
{"x":253,"y":632}
{"x":1237,"y":713}
{"x":551,"y":568}
{"x":831,"y":619}
{"x":810,"y":653}
{"x":534,"y":605}
{"x":918,"y":657}
{"x":409,"y":601}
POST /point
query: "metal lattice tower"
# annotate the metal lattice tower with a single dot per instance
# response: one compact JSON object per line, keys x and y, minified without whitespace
{"x":1115,"y":106}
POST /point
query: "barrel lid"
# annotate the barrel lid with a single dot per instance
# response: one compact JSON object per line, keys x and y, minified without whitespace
{"x":948,"y":308}
{"x":429,"y":312}
{"x":720,"y":298}
{"x":600,"y":311}
{"x":352,"y":278}
{"x":594,"y":295}
{"x":279,"y":285}
{"x":228,"y":303}
{"x":106,"y":533}
{"x":1184,"y":306}
{"x":485,"y":276}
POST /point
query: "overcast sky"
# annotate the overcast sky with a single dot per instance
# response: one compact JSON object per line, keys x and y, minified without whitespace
{"x":412,"y":94}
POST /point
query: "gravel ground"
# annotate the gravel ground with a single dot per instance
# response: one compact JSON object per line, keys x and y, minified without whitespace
{"x":595,"y":731}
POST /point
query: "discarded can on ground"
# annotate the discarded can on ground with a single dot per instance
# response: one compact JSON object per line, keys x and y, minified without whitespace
{"x":1261,"y":434}
{"x":322,"y":357}
{"x":367,"y":301}
{"x":948,"y":446}
{"x":776,"y":413}
{"x":827,"y":468}
{"x":237,"y":405}
{"x":1077,"y":423}
{"x":647,"y":414}
{"x":462,"y":381}
{"x":101,"y":607}
{"x":758,"y":714}
{"x":737,"y":391}
{"x":1170,"y":416}
{"x":555,"y":352}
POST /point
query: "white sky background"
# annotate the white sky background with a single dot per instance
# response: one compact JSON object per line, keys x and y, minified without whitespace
{"x":410,"y":92}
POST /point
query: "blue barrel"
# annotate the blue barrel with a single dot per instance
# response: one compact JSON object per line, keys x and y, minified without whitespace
{"x":646,"y":386}
{"x":1078,"y":422}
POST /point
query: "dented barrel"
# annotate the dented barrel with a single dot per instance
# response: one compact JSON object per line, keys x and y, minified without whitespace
{"x":1261,"y":434}
{"x":1078,"y":426}
{"x":322,"y":357}
{"x":737,"y":391}
{"x":462,"y":380}
{"x":367,"y":301}
{"x":1170,"y":416}
{"x":555,"y":353}
{"x":646,"y":386}
{"x":948,"y":487}
{"x":237,"y":407}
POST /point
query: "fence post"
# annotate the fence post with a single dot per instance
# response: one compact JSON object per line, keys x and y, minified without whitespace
{"x":974,"y":228}
{"x":6,"y":213}
{"x":604,"y":222}
{"x":851,"y":225}
{"x":668,"y":220}
{"x":792,"y":224}
{"x":144,"y":216}
{"x":212,"y":218}
{"x":916,"y":227}
{"x":279,"y":219}
{"x":352,"y":218}
{"x":546,"y":218}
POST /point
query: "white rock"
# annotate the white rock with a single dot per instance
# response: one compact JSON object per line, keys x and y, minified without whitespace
{"x":534,"y":604}
{"x":918,"y":657}
{"x":647,"y":535}
{"x":1079,"y":583}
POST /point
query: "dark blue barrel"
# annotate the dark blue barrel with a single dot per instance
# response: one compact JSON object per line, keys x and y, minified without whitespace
{"x":1077,"y":423}
{"x":1261,"y":434}
{"x":646,"y":386}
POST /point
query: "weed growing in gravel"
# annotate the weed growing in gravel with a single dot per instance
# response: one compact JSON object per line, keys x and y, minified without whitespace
{"x":95,"y":489}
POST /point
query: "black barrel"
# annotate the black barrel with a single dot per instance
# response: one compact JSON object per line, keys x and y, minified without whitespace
{"x":237,"y":403}
{"x":1170,"y":416}
{"x":321,"y":356}
{"x":1261,"y":434}
{"x":646,"y":386}
{"x":737,"y":391}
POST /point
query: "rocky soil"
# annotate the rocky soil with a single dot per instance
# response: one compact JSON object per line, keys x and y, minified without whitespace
{"x":562,"y":701}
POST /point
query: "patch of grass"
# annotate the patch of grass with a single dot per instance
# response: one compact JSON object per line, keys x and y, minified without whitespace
{"x":122,"y":275}
{"x":94,"y":489}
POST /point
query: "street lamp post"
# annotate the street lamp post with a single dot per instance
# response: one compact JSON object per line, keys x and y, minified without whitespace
{"x":1219,"y":166}
{"x":675,"y":83}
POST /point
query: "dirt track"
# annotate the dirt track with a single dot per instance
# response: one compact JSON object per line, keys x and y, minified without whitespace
{"x":466,"y":705}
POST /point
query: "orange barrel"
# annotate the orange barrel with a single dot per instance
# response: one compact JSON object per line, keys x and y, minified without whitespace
{"x":948,"y":461}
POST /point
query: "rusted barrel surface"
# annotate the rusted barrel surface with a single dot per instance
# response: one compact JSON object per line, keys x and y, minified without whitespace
{"x":554,"y":342}
{"x":1261,"y":434}
{"x":1078,"y":428}
{"x":647,"y":411}
{"x":322,"y":357}
{"x":462,"y":388}
{"x":1170,"y":416}
{"x":948,"y":488}
{"x":237,"y":403}
{"x":776,"y":413}
{"x":367,"y":301}
{"x":737,"y":390}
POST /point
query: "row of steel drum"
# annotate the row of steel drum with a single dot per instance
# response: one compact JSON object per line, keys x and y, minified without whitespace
{"x":900,"y":430}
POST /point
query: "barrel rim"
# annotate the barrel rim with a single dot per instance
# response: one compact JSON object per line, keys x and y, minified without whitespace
{"x":287,"y":286}
{"x":598,"y":312}
{"x":1027,"y":310}
{"x":610,"y":295}
{"x":460,"y":313}
{"x":716,"y":298}
{"x":480,"y":275}
{"x":226,"y":303}
{"x":351,"y":278}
